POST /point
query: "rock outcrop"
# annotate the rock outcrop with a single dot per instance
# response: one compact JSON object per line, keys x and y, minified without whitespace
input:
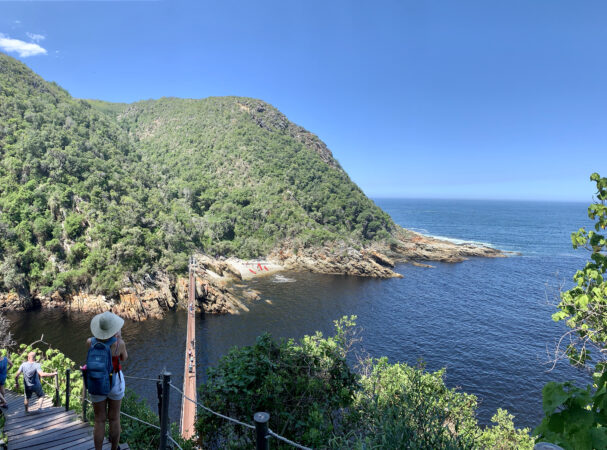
{"x":221,"y":283}
{"x":137,"y":302}
{"x":379,"y":260}
{"x":338,"y":261}
{"x":215,"y":295}
{"x":416,"y":247}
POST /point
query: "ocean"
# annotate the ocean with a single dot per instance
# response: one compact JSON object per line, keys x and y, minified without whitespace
{"x":487,"y":321}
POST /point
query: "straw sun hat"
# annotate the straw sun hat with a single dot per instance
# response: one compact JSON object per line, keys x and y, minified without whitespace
{"x":106,"y":325}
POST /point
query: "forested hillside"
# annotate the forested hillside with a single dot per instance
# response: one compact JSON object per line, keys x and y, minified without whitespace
{"x":246,"y":178}
{"x":95,"y":195}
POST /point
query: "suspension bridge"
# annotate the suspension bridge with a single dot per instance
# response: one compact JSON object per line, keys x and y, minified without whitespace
{"x":188,"y":409}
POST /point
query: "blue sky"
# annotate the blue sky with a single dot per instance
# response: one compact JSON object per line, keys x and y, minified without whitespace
{"x":449,"y":99}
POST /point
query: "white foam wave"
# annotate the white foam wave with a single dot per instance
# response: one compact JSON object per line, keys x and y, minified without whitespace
{"x":420,"y":230}
{"x":282,"y":279}
{"x":461,"y":241}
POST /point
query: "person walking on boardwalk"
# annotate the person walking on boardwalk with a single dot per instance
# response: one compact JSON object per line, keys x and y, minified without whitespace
{"x":106,"y":330}
{"x":32,"y":373}
{"x":5,"y":364}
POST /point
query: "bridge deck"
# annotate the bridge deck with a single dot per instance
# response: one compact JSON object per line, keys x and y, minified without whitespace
{"x":50,"y":428}
{"x":188,"y":409}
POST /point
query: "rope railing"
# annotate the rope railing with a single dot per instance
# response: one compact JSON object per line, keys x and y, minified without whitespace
{"x":263,"y":432}
{"x":140,"y":421}
{"x":246,"y":425}
{"x":141,"y":378}
{"x":284,"y":439}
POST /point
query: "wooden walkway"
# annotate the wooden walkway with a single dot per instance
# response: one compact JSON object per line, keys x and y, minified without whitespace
{"x":49,"y":429}
{"x":188,"y":409}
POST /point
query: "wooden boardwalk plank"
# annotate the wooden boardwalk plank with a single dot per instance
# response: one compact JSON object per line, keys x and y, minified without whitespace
{"x":45,"y":435}
{"x":33,"y":428}
{"x":48,"y":428}
{"x":20,"y":417}
{"x":21,"y":421}
{"x":106,"y":446}
{"x":81,"y":437}
{"x":36,"y":420}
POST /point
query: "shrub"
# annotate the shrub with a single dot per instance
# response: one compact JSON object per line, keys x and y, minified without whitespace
{"x":316,"y":399}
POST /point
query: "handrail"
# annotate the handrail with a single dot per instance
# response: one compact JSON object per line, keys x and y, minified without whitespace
{"x":246,"y":425}
{"x":140,"y":378}
{"x":211,"y":411}
{"x":267,"y":433}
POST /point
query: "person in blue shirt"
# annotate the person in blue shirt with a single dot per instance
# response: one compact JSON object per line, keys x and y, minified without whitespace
{"x":5,"y":364}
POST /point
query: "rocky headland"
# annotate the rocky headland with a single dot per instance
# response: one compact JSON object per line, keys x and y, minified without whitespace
{"x":221,"y":283}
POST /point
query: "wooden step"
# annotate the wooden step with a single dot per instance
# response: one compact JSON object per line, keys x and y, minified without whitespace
{"x":47,"y":428}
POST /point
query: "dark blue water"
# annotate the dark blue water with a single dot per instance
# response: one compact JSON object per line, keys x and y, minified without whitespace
{"x":486,"y":320}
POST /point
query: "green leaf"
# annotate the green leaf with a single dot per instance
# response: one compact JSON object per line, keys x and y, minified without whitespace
{"x":554,"y":396}
{"x":560,"y":315}
{"x":599,"y":437}
{"x":582,"y":440}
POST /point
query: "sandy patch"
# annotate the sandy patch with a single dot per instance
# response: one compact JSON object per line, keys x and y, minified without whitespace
{"x":249,"y":269}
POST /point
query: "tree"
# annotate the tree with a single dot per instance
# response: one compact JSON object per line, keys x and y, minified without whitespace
{"x":576,"y":418}
{"x":6,"y":337}
{"x":584,"y":307}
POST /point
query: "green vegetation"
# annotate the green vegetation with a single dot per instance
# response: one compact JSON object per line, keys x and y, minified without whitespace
{"x":316,"y":399}
{"x":96,"y":196}
{"x":584,"y":307}
{"x":140,"y":436}
{"x":50,"y":360}
{"x":137,"y":435}
{"x":243,"y":179}
{"x":65,"y":188}
{"x":576,"y":418}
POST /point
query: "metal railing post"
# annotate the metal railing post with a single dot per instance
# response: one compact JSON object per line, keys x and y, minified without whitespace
{"x":56,"y":399}
{"x":164,"y":418}
{"x":159,"y":393}
{"x":261,"y":420}
{"x":83,"y":398}
{"x":67,"y":389}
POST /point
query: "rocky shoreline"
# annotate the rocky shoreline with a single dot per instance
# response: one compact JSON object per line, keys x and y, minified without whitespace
{"x":221,"y":286}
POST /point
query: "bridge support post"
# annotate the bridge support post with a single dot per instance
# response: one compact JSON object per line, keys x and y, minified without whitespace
{"x":164,"y":418}
{"x":261,"y":420}
{"x":67,"y":388}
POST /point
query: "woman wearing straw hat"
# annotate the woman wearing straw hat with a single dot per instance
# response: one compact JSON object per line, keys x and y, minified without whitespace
{"x":105,"y":326}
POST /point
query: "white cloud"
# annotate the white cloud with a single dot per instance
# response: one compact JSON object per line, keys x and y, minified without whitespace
{"x":17,"y":22}
{"x":22,"y":48}
{"x":36,"y":37}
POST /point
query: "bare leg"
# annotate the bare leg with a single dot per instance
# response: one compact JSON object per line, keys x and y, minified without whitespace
{"x":2,"y":397}
{"x":114,"y":418}
{"x":100,"y":416}
{"x":25,"y":403}
{"x":40,"y":400}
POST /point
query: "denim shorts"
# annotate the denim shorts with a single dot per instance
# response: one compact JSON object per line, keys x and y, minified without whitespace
{"x":117,"y":391}
{"x":33,"y":390}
